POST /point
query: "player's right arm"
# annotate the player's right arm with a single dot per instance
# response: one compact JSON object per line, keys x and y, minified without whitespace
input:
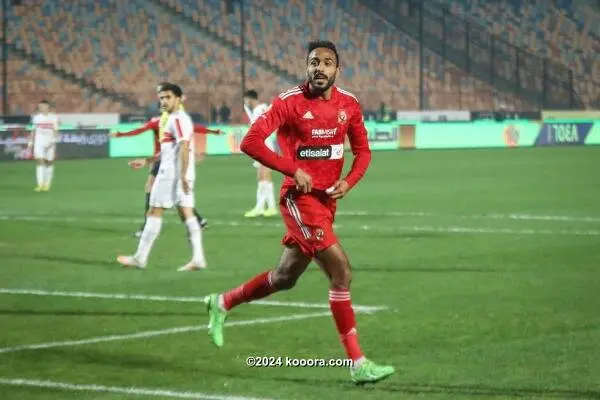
{"x":152,"y":124}
{"x":55,"y":131}
{"x":254,"y":145}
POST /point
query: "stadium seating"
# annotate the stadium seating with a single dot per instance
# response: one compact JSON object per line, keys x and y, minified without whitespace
{"x":127,"y":47}
{"x":28,"y":84}
{"x":382,"y":68}
{"x":567,"y":34}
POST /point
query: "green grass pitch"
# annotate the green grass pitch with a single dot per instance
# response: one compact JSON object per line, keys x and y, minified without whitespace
{"x":484,"y":264}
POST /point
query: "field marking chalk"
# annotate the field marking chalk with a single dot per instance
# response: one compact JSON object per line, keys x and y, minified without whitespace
{"x":143,"y":297}
{"x":376,"y":227}
{"x":154,"y":333}
{"x":138,"y":391}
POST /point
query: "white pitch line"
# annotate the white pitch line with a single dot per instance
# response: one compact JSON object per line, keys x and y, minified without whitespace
{"x":143,"y":297}
{"x":21,"y":382}
{"x":511,"y":216}
{"x":374,"y":228}
{"x":154,"y":333}
{"x":33,"y":216}
{"x":492,"y":231}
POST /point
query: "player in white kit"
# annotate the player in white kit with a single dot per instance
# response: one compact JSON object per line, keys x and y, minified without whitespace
{"x":265,"y":196}
{"x":174,"y":184}
{"x":44,"y":136}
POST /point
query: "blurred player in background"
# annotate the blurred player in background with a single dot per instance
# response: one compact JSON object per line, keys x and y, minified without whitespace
{"x":156,"y":124}
{"x":312,"y":120}
{"x":43,"y":139}
{"x":174,"y":183}
{"x":265,"y":196}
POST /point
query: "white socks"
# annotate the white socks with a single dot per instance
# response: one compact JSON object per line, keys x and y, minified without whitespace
{"x":268,"y":193}
{"x":151,"y":232}
{"x":39,"y":174}
{"x":265,"y":195}
{"x":48,"y":175}
{"x":195,"y":234}
{"x":149,"y":235}
{"x":260,"y":199}
{"x":44,"y":174}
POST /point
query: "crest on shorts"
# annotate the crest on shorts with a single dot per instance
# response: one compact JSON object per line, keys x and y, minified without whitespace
{"x":342,"y":117}
{"x":319,"y":234}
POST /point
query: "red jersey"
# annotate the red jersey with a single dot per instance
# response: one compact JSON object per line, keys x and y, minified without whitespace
{"x":154,"y":125}
{"x":311,"y":134}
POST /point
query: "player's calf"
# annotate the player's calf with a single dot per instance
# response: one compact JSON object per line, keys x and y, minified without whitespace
{"x":40,"y":171}
{"x":48,"y":174}
{"x":195,"y":236}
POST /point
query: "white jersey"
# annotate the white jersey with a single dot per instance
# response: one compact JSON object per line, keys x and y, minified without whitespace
{"x":258,"y":111}
{"x":179,"y":128}
{"x":45,"y":125}
{"x":255,"y":114}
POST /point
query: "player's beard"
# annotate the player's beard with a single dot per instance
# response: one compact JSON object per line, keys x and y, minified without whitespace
{"x":318,"y":89}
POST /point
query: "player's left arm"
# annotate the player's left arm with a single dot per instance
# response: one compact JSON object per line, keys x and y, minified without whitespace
{"x":359,"y":143}
{"x":55,"y":132}
{"x":254,"y":145}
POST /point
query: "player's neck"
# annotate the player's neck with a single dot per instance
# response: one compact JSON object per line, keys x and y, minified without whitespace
{"x":325,"y":95}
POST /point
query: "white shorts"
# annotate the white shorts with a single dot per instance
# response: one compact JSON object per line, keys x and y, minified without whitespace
{"x":44,"y":148}
{"x":271,"y":145}
{"x":168,"y":193}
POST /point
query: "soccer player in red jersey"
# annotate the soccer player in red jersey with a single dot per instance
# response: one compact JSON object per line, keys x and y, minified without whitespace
{"x":312,"y":121}
{"x":154,"y":124}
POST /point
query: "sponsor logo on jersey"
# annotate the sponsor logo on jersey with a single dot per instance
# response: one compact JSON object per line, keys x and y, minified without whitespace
{"x":323,"y":133}
{"x":333,"y":152}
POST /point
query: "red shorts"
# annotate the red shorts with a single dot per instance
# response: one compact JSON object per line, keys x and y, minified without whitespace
{"x":309,"y":221}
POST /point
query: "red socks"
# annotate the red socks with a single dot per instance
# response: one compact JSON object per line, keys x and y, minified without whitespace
{"x":339,"y":302}
{"x":343,"y":315}
{"x":256,"y":288}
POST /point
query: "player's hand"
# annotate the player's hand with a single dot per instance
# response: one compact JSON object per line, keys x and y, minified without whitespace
{"x":219,"y":132}
{"x":137,"y":163}
{"x":339,"y":189}
{"x":186,"y":186}
{"x":303,"y":181}
{"x":114,"y":134}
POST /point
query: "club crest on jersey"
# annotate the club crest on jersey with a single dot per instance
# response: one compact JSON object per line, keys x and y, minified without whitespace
{"x":342,"y":117}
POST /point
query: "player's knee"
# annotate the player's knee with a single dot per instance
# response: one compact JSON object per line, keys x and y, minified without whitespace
{"x":342,"y":277}
{"x":283,"y":280}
